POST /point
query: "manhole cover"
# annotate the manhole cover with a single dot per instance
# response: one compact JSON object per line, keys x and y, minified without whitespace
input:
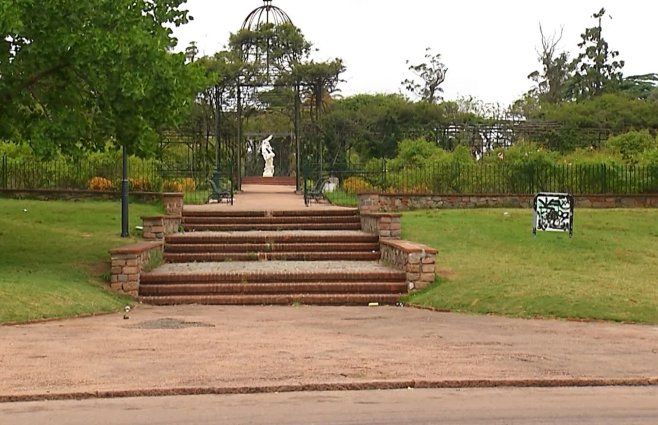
{"x":169,"y":323}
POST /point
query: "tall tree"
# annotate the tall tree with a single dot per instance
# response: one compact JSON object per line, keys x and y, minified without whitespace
{"x":431,"y":74}
{"x":640,"y":86}
{"x":596,"y":67}
{"x":551,"y":80}
{"x":74,"y":74}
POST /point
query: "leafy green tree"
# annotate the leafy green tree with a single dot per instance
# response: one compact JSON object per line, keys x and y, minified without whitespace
{"x":611,"y":112}
{"x":74,"y":74}
{"x":368,"y":126}
{"x":270,"y":51}
{"x":431,"y":73}
{"x":632,"y":144}
{"x":596,"y":67}
{"x":551,"y":80}
{"x":640,"y":86}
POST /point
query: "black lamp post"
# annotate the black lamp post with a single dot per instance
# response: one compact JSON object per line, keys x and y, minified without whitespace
{"x":218,"y":110}
{"x":124,"y":195}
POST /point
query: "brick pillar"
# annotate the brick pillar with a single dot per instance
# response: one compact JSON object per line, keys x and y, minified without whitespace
{"x":153,"y":228}
{"x":173,"y":203}
{"x":416,"y":260}
{"x":368,"y":202}
{"x":127,"y":264}
{"x":385,"y":225}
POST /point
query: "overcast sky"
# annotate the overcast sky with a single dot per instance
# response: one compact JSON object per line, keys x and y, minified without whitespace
{"x":488,"y":46}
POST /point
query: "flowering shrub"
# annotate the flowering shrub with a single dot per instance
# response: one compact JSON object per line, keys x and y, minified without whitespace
{"x":140,"y":184}
{"x":189,"y":185}
{"x":100,"y":184}
{"x":172,"y":186}
{"x":356,"y":185}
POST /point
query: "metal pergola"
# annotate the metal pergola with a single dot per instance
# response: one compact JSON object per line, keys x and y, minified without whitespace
{"x":267,"y":14}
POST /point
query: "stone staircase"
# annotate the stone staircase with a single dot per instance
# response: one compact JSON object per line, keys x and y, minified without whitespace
{"x":271,"y":246}
{"x":314,"y":256}
{"x":227,"y":221}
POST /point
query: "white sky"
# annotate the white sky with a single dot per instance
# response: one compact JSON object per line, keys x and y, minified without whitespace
{"x":488,"y":46}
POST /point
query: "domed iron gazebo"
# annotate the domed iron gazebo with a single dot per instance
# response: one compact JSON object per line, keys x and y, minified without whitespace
{"x":257,"y":52}
{"x":266,"y":14}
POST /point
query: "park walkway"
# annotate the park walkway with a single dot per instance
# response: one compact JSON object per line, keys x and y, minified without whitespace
{"x":201,"y":347}
{"x":266,"y":198}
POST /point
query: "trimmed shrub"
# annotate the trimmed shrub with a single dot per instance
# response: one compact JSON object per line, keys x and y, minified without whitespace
{"x":100,"y":184}
{"x":354,"y":185}
{"x":632,"y":144}
{"x":172,"y":186}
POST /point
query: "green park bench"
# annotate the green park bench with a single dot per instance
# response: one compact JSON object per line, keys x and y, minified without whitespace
{"x":220,"y":192}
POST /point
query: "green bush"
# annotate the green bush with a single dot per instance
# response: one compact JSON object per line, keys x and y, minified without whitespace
{"x":632,"y":145}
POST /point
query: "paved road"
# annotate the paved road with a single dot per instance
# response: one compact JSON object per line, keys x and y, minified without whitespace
{"x":583,"y":406}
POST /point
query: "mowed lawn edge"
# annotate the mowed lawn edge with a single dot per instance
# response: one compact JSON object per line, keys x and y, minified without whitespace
{"x":490,"y":263}
{"x":54,"y":258}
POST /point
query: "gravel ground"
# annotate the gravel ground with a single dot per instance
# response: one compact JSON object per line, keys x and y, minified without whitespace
{"x":202,"y":346}
{"x":271,"y":266}
{"x":278,"y":233}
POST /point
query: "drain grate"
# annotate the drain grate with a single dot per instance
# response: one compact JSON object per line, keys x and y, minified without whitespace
{"x":170,"y":323}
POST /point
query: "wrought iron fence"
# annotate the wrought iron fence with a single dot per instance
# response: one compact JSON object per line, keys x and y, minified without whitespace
{"x":504,"y":179}
{"x":78,"y":175}
{"x":104,"y":176}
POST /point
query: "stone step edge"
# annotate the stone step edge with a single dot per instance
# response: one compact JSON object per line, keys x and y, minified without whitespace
{"x":200,"y":257}
{"x":270,"y":247}
{"x":269,"y":220}
{"x":283,"y":226}
{"x":263,"y":277}
{"x":200,"y":239}
{"x":295,"y":213}
{"x":309,"y":299}
{"x":278,"y":288}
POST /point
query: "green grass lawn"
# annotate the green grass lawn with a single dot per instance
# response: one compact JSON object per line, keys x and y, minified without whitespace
{"x":341,"y":198}
{"x":54,"y":257}
{"x":489,"y":262}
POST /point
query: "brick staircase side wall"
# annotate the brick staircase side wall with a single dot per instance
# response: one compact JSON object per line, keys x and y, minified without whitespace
{"x":157,"y":227}
{"x":385,"y":225}
{"x":129,"y":262}
{"x":173,"y":203}
{"x":416,"y":260}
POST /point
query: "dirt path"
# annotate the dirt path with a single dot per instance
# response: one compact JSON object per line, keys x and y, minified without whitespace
{"x":203,"y":346}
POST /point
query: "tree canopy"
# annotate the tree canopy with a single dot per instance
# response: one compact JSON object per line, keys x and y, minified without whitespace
{"x":75,"y":74}
{"x":431,"y":74}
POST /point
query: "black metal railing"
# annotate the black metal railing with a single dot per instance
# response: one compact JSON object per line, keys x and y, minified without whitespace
{"x":491,"y":179}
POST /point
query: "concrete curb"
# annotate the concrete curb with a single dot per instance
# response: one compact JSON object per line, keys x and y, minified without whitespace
{"x":348,"y":386}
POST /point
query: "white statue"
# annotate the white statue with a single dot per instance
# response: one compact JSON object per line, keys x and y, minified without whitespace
{"x":268,"y":156}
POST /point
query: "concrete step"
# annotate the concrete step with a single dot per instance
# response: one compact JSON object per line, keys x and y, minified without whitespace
{"x":339,"y":212}
{"x":269,"y":226}
{"x":274,"y":288}
{"x":318,"y":246}
{"x":282,"y":299}
{"x":287,"y":237}
{"x":197,"y":257}
{"x":271,"y":220}
{"x":260,"y":273}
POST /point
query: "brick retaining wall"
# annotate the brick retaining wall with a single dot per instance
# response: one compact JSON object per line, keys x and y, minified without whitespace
{"x":157,"y":227}
{"x":385,"y":225}
{"x":416,"y":260}
{"x":128,"y":262}
{"x":377,"y":202}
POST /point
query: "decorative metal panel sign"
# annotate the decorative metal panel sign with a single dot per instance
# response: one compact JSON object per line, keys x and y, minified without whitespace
{"x":553,"y":212}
